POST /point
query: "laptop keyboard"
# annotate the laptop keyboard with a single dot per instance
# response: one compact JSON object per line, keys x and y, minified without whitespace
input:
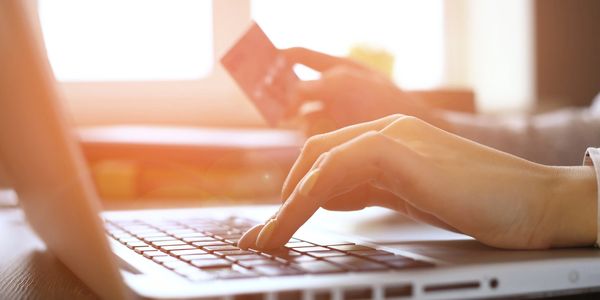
{"x":201,"y":249}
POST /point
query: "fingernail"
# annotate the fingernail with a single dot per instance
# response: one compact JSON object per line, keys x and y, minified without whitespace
{"x":265,"y":234}
{"x":309,"y":182}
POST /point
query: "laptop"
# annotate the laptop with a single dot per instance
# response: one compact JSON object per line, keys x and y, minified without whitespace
{"x":192,"y":253}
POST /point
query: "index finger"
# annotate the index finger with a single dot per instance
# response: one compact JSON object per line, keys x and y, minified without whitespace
{"x":319,"y":144}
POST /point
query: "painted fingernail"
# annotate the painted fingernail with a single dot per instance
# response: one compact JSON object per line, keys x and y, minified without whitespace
{"x":265,"y":234}
{"x":309,"y":182}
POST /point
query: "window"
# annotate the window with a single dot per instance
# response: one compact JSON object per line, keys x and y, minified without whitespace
{"x":410,"y":30}
{"x":132,"y":40}
{"x":156,"y":61}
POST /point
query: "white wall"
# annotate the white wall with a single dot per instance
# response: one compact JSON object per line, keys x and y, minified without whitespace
{"x":491,"y":49}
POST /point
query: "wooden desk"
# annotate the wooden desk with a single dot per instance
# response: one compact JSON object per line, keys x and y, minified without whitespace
{"x":28,"y":271}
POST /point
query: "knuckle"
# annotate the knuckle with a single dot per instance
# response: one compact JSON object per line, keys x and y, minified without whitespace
{"x":372,"y":138}
{"x":408,"y":121}
{"x":313,"y":145}
{"x":395,"y":116}
{"x":341,"y":72}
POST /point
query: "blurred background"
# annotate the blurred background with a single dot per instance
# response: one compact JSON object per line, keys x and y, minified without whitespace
{"x":140,"y":61}
{"x":155,"y":62}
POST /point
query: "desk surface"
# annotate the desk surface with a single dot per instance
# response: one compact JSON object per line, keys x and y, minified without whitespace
{"x":29,"y":271}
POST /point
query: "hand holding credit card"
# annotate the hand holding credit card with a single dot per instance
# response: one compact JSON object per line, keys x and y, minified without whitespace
{"x":262,"y":72}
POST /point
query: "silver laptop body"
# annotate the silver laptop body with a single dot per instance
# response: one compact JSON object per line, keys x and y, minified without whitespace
{"x":120,"y":255}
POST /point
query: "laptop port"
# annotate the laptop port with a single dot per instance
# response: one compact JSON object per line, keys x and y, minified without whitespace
{"x":322,"y":295}
{"x":494,"y":283}
{"x":358,"y":293}
{"x":399,"y":290}
{"x":257,"y":296}
{"x":291,"y":295}
{"x":466,"y":285}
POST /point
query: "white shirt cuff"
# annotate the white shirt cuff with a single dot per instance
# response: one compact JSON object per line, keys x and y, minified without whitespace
{"x":592,"y":158}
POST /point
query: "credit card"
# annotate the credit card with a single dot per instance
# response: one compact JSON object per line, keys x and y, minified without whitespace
{"x":262,"y":72}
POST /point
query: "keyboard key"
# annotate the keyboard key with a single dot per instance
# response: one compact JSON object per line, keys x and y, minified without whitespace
{"x":151,"y":254}
{"x":144,"y":231}
{"x":303,"y":258}
{"x":176,"y":232}
{"x":233,"y":252}
{"x":198,"y":257}
{"x":327,"y":241}
{"x":178,"y":247}
{"x":152,"y":234}
{"x":125,"y":237}
{"x":137,"y":243}
{"x":257,"y":262}
{"x":228,"y":236}
{"x":210,"y":244}
{"x":371,"y":252}
{"x":284,"y":253}
{"x":168,"y":243}
{"x":356,"y":263}
{"x":245,"y":257}
{"x":336,"y":243}
{"x":311,"y":249}
{"x":299,"y":245}
{"x":221,"y":248}
{"x":175,"y":264}
{"x":128,"y":238}
{"x":319,"y":267}
{"x":321,"y":254}
{"x":276,"y":270}
{"x":190,"y":234}
{"x":351,"y":248}
{"x":281,"y":260}
{"x":163,"y":259}
{"x":144,"y":248}
{"x":199,"y":239}
{"x":159,"y":238}
{"x":211,"y":263}
{"x":232,"y":241}
{"x":188,"y":252}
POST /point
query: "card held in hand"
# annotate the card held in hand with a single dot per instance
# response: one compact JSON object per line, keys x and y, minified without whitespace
{"x":262,"y":72}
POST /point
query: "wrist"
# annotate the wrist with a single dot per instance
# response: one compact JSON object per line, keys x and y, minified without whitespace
{"x":574,"y":200}
{"x":418,"y":108}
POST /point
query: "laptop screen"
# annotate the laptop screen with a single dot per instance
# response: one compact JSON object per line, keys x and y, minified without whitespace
{"x":43,"y":161}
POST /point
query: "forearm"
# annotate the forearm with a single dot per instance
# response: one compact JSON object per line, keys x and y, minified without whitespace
{"x":573,"y":202}
{"x":557,"y":138}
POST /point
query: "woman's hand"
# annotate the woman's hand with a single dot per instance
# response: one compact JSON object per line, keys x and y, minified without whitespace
{"x":436,"y":177}
{"x":349,"y":92}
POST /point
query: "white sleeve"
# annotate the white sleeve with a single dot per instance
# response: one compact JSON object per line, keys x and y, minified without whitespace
{"x":556,"y":138}
{"x":592,"y":158}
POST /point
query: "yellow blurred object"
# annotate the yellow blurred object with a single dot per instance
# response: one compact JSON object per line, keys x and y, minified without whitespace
{"x":376,"y":58}
{"x":157,"y":162}
{"x":116,"y":179}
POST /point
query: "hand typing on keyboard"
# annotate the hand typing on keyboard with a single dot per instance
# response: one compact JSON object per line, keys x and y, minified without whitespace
{"x":436,"y":177}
